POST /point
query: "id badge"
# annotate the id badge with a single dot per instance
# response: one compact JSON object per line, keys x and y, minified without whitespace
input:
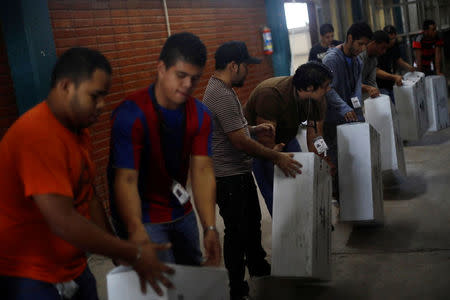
{"x":320,"y":145}
{"x":355,"y":102}
{"x":180,"y":192}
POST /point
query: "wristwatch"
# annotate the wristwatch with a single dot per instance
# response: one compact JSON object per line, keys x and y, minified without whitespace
{"x":212,"y":227}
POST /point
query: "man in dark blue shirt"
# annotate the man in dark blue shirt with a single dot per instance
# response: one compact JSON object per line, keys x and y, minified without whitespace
{"x":319,"y":50}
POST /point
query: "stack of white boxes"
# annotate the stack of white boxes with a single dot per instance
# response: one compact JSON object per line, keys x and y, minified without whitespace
{"x":191,"y":283}
{"x":301,"y":224}
{"x":382,"y":115}
{"x":437,"y":105}
{"x":360,"y":182}
{"x":411,"y":106}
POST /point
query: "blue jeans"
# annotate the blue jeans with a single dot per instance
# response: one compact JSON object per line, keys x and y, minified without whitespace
{"x":184,"y":237}
{"x":18,"y":288}
{"x":263,"y":170}
{"x":390,"y":93}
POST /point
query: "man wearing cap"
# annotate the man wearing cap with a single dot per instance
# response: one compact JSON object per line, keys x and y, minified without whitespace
{"x":233,"y":149}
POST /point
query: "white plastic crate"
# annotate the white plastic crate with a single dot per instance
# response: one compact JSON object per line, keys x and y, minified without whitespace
{"x":382,"y":115}
{"x":191,"y":283}
{"x":301,"y":223}
{"x":360,"y":181}
{"x":437,"y":102}
{"x":411,"y":106}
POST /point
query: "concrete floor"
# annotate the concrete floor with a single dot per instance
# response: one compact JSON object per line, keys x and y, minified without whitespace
{"x":408,"y":258}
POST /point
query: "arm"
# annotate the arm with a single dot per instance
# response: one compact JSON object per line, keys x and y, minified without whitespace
{"x":204,"y":190}
{"x":388,"y":76}
{"x":127,"y":137}
{"x":243,"y":142}
{"x":372,"y":91}
{"x":403,"y":64}
{"x":418,"y":55}
{"x":68,"y":224}
{"x":128,"y":204}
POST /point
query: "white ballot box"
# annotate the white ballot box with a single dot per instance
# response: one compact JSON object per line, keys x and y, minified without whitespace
{"x":382,"y":115}
{"x":437,"y":105}
{"x":411,"y":106}
{"x":301,"y":221}
{"x":191,"y":283}
{"x":359,"y":167}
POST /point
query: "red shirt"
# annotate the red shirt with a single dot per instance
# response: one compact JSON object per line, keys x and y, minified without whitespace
{"x":428,"y":47}
{"x":39,"y":156}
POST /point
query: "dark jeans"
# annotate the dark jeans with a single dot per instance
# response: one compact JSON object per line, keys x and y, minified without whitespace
{"x":330,"y":137}
{"x":18,"y":288}
{"x":239,"y":207}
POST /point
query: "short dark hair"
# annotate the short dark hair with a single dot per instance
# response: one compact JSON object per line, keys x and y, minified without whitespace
{"x":326,"y":28}
{"x":78,"y":64}
{"x":360,"y":30}
{"x":380,"y":36}
{"x":184,"y":46}
{"x":390,"y":29}
{"x":312,"y":73}
{"x":233,"y":51}
{"x":427,"y":23}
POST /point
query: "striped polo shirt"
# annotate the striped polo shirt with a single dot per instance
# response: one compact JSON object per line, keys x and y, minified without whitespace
{"x":428,"y":47}
{"x":227,"y":116}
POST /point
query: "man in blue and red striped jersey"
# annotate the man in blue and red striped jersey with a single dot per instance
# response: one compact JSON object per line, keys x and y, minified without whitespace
{"x":427,"y":49}
{"x":158,"y":133}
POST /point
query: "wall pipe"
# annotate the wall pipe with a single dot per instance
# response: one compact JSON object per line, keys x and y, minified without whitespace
{"x":166,"y":14}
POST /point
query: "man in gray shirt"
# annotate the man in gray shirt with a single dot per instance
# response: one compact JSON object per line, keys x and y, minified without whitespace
{"x":376,"y":47}
{"x":233,"y":149}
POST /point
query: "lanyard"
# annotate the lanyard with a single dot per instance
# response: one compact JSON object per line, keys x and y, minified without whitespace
{"x":307,"y":115}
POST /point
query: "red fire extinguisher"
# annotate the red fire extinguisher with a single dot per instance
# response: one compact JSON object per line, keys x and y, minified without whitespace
{"x":267,"y":39}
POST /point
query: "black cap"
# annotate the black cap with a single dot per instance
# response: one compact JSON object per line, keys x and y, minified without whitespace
{"x":234,"y":51}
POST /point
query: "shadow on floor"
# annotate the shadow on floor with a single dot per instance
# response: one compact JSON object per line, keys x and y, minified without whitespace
{"x":394,"y":237}
{"x":271,"y":288}
{"x":431,"y":138}
{"x":405,"y":188}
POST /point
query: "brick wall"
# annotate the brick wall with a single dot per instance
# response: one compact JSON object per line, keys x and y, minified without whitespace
{"x":8,"y":107}
{"x":131,"y":34}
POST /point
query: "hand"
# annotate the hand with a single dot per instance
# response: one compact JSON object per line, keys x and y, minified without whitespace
{"x":287,"y":164}
{"x":398,"y":80}
{"x":373,"y":92}
{"x":265,"y":129}
{"x":150,"y":269}
{"x":351,"y":116}
{"x":412,"y":69}
{"x":212,"y":248}
{"x":278,"y":147}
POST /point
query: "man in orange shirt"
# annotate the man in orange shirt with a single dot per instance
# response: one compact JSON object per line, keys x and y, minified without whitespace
{"x":49,"y":217}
